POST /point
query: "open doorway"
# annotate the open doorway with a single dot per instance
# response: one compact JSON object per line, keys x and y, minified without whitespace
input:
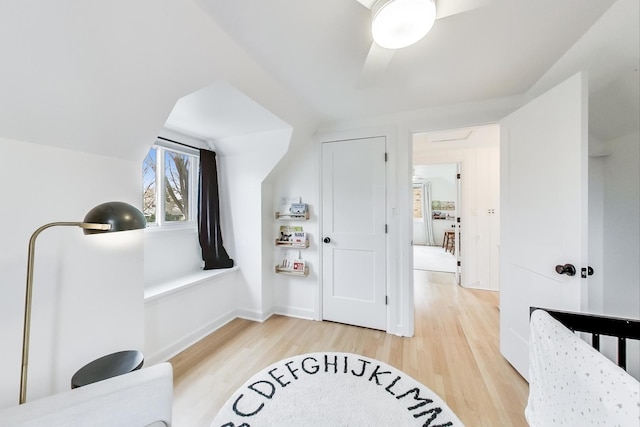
{"x":475,"y":151}
{"x":435,"y":205}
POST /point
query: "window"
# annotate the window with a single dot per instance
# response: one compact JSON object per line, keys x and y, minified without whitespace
{"x":169,"y":179}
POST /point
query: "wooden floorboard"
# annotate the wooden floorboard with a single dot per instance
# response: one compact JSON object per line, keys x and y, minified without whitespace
{"x":454,"y":352}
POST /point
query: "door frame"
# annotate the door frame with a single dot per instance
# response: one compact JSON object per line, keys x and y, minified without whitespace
{"x":359,"y":310}
{"x":408,"y":133}
{"x":395,"y":306}
{"x":400,"y":311}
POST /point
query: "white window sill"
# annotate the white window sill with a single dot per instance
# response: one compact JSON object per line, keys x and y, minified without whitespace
{"x":189,"y":227}
{"x":163,"y":289}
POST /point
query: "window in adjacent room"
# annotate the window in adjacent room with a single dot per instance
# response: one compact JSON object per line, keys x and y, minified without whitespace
{"x":169,"y":178}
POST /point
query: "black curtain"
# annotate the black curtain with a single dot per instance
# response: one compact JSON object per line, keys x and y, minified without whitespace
{"x":213,"y":253}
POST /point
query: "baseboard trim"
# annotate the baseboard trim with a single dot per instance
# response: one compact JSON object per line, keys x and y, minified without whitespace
{"x":299,"y":313}
{"x":179,"y":346}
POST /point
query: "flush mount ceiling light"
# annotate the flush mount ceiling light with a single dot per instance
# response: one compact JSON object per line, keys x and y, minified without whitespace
{"x":400,"y":23}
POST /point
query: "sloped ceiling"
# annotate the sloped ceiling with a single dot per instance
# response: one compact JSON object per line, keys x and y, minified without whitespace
{"x":103,"y":77}
{"x":610,"y":54}
{"x":499,"y":49}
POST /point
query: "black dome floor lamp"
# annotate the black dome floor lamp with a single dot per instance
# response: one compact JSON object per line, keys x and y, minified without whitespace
{"x":105,"y":218}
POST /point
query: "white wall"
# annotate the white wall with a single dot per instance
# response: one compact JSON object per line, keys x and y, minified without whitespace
{"x":87,"y":289}
{"x":244,"y":163}
{"x":621,"y":234}
{"x":170,"y":254}
{"x":616,"y":280}
{"x":597,"y":158}
{"x":176,"y":320}
{"x":296,"y":296}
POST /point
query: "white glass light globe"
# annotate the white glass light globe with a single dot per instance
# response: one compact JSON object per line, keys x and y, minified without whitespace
{"x":400,"y":23}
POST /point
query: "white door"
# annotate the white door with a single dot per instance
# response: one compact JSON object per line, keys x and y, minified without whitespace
{"x":544,"y":211}
{"x":354,"y":233}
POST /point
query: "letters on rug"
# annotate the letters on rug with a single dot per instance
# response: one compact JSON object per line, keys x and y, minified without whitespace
{"x":334,"y":389}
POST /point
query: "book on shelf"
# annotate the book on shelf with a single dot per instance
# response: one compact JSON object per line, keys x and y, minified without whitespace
{"x":298,"y":266}
{"x":297,"y":209}
{"x":299,"y":237}
{"x":292,"y":234}
{"x":292,"y":264}
{"x":286,"y":203}
{"x":291,"y":260}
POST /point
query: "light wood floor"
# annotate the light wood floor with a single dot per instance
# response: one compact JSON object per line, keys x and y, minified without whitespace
{"x":454,"y":352}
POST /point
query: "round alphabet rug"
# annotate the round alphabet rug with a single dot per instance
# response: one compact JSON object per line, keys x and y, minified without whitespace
{"x":334,"y":389}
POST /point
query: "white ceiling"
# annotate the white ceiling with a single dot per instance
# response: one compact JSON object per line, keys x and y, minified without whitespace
{"x":499,"y":49}
{"x":426,"y":144}
{"x":219,"y":111}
